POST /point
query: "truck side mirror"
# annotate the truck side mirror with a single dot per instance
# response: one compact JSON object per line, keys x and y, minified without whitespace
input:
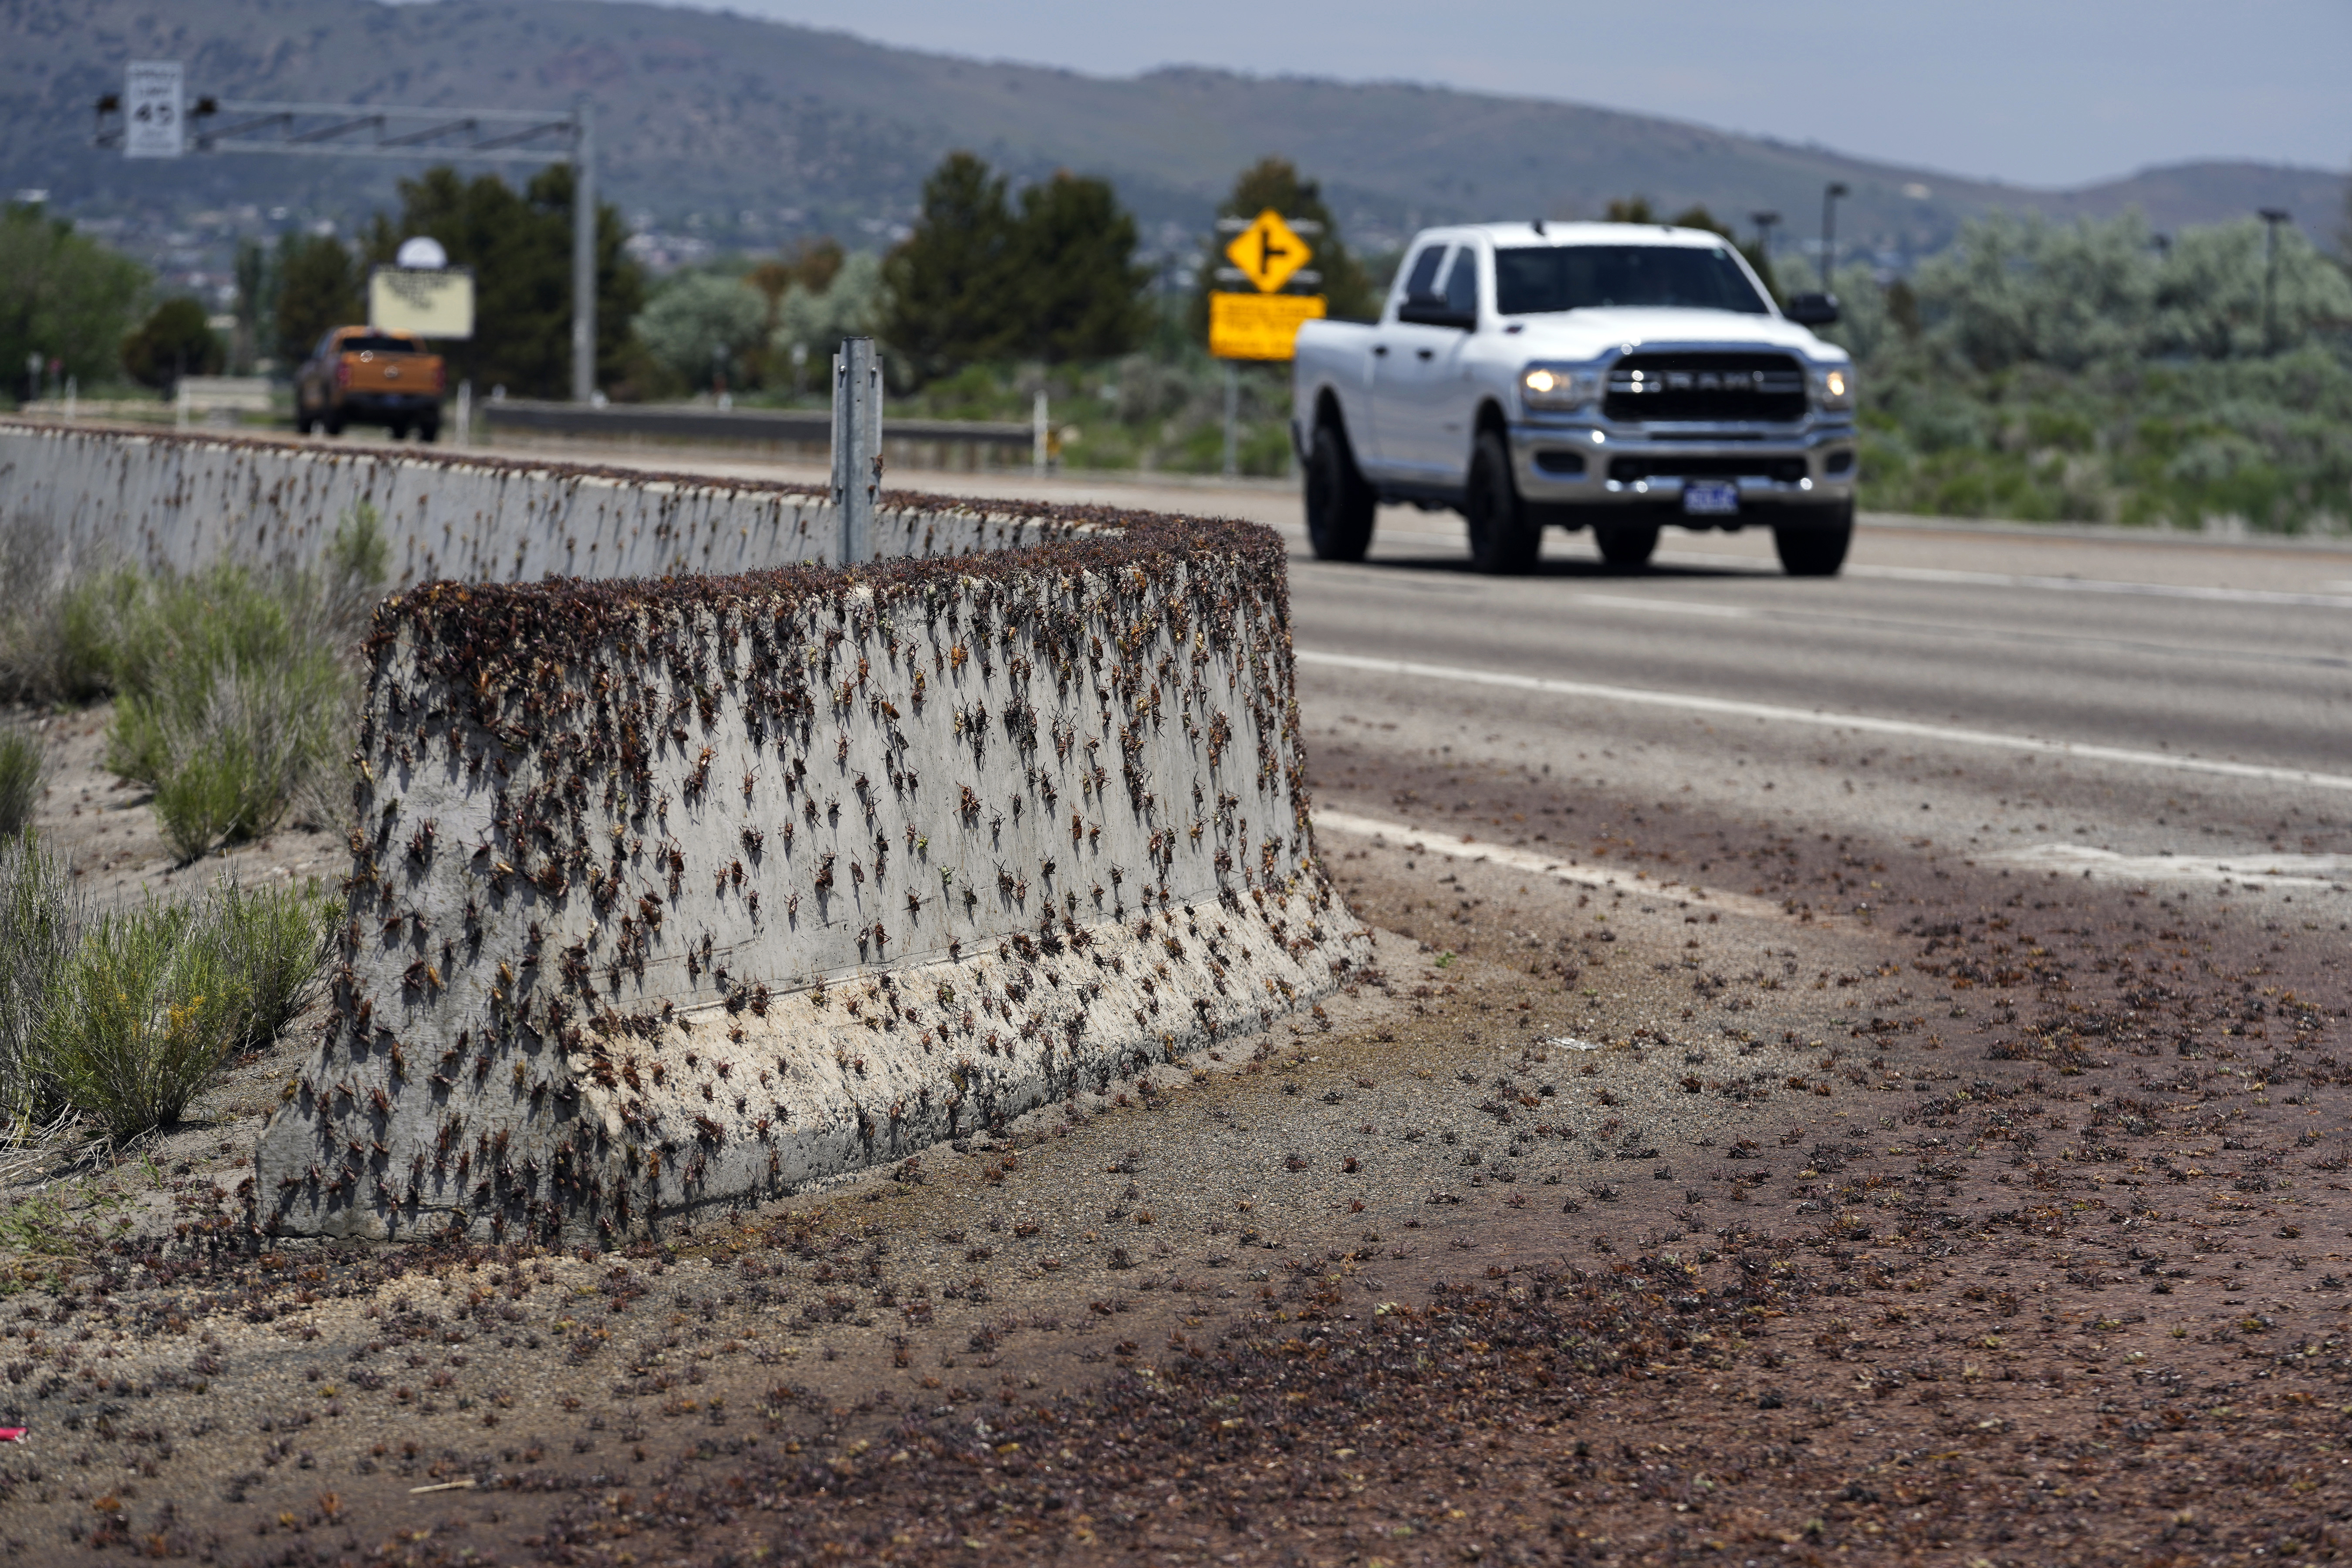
{"x":1812,"y":309}
{"x":1430,"y":310}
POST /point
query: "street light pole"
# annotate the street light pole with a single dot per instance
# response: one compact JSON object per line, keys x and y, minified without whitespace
{"x":1764,"y":222}
{"x":1830,"y":194}
{"x":2272,"y":217}
{"x":583,"y":253}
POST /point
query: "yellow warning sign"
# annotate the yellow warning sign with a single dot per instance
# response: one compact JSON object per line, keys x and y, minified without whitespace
{"x":1268,"y":252}
{"x":1259,"y":326}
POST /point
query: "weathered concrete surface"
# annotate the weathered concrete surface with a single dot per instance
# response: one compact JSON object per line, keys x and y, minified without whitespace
{"x":183,"y":501}
{"x":680,"y":893}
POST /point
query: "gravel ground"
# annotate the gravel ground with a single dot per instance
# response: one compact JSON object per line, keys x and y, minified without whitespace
{"x":1951,"y":1216}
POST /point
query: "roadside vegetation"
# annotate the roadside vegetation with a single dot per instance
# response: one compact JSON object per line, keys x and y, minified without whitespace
{"x":2096,"y":372}
{"x":233,"y":690}
{"x":232,"y":686}
{"x":120,"y":1020}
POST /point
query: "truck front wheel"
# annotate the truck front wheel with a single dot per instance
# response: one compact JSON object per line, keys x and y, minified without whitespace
{"x":1815,"y":547}
{"x":1626,"y":547}
{"x":1339,"y":505}
{"x":1504,"y":540}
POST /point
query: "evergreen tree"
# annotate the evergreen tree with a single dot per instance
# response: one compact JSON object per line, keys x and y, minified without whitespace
{"x":317,"y":287}
{"x":951,"y":285}
{"x":1077,"y":289}
{"x":174,"y":342}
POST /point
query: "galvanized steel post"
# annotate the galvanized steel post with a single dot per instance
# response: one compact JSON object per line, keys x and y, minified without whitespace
{"x":856,"y":445}
{"x":583,"y":254}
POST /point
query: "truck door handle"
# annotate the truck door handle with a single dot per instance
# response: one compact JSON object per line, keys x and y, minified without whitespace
{"x":1380,"y":351}
{"x":1424,"y":354}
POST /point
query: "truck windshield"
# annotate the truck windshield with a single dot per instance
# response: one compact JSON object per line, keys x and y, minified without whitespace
{"x":1530,"y":280}
{"x":379,"y":344}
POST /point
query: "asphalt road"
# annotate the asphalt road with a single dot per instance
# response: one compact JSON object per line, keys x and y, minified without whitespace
{"x":2171,"y":710}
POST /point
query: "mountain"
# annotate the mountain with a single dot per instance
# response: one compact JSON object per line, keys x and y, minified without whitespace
{"x":750,"y":131}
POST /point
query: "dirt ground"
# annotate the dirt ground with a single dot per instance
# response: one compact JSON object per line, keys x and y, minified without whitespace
{"x":1935,"y":1212}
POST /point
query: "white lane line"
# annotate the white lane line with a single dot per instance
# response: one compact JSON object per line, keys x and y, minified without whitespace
{"x":1772,"y":712}
{"x":2337,"y":601}
{"x":1667,"y":606}
{"x":1456,"y":846}
{"x":2258,"y":870}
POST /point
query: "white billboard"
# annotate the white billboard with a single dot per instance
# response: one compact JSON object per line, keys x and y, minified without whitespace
{"x":153,"y":121}
{"x":436,"y":302}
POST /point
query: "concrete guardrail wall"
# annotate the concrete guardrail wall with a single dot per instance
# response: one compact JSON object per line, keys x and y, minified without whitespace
{"x":689,"y":890}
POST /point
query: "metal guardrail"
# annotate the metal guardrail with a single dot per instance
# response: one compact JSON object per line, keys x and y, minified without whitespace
{"x":811,"y":427}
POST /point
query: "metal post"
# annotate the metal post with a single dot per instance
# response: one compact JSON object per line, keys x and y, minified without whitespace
{"x":1040,"y":433}
{"x":856,"y":445}
{"x":2272,"y":217}
{"x":1232,"y":418}
{"x":73,"y":390}
{"x":1830,"y":194}
{"x":583,"y":253}
{"x":465,"y":430}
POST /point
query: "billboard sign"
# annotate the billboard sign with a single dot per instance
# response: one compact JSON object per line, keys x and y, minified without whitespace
{"x":428,"y":302}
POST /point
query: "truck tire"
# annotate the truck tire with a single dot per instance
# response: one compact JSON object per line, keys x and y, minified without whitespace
{"x":1816,"y":546}
{"x":1503,"y":542}
{"x":1340,"y":506}
{"x":429,"y":431}
{"x":1626,"y":546}
{"x":332,"y":424}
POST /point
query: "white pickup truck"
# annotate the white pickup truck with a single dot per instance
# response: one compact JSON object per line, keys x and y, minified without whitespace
{"x":1614,"y":376}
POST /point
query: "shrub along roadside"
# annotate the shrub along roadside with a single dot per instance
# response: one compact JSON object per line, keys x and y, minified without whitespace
{"x":126,"y":1017}
{"x":21,"y":770}
{"x":233,"y":685}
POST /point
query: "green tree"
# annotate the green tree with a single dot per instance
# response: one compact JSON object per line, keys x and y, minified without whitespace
{"x":847,"y":303}
{"x":318,"y":288}
{"x":701,"y":324}
{"x":174,"y":342}
{"x":1275,"y":183}
{"x":1077,"y":289}
{"x":518,"y":244}
{"x":63,"y":296}
{"x":950,"y":285}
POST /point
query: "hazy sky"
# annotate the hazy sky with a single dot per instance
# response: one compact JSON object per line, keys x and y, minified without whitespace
{"x":2048,"y":92}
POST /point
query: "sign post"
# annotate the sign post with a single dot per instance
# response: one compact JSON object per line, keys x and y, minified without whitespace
{"x":1267,"y":253}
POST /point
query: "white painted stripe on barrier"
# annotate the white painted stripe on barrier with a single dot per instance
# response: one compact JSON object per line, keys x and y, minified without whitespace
{"x":1774,"y":713}
{"x":1459,"y":847}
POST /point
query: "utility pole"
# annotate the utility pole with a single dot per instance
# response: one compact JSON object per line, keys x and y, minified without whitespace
{"x":1764,"y":222}
{"x":2272,"y":217}
{"x":583,"y":252}
{"x":1830,"y":194}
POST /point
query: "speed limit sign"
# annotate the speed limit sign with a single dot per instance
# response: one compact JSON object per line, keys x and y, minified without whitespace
{"x":152,"y":106}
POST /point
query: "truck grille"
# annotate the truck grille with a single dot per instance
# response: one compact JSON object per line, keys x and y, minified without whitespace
{"x":1732,"y":387}
{"x":1787,"y":471}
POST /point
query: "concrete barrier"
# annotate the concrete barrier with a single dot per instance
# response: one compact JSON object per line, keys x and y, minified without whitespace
{"x":181,"y":501}
{"x":689,"y":890}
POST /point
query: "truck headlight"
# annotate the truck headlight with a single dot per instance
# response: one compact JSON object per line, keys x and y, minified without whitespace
{"x":1553,"y":387}
{"x":1834,"y":387}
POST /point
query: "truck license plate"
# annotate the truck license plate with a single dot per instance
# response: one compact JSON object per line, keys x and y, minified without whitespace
{"x":1710,"y":498}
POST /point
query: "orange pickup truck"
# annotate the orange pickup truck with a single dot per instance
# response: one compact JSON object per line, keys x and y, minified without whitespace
{"x":360,"y":375}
